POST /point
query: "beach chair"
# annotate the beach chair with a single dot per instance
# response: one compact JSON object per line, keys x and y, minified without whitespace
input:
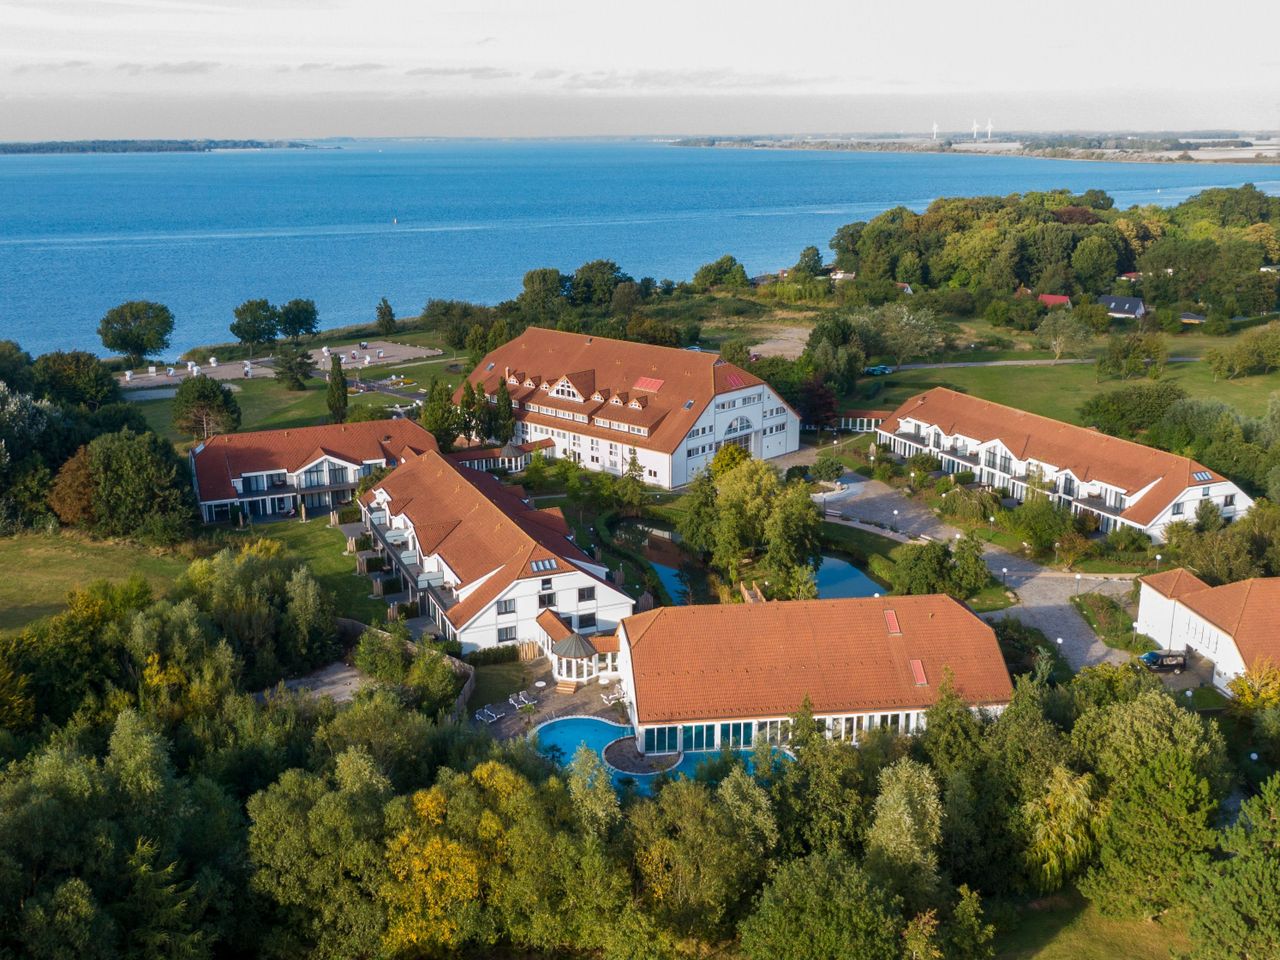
{"x":525,"y":699}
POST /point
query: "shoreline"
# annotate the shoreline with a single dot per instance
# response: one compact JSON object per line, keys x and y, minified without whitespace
{"x":827,"y":146}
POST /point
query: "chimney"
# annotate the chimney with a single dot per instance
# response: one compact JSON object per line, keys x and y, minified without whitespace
{"x":506,"y":373}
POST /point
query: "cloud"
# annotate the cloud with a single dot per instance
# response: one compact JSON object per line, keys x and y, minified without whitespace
{"x":547,"y":74}
{"x":52,"y":67}
{"x":471,"y":73}
{"x":359,"y":67}
{"x":692,"y":80}
{"x":179,"y":68}
{"x":313,"y":67}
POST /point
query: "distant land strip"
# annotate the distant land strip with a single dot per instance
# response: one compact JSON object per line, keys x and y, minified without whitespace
{"x":150,"y":146}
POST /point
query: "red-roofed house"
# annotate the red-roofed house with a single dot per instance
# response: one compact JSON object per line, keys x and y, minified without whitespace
{"x":1236,"y":625}
{"x":267,"y":473}
{"x":1052,"y":300}
{"x":724,"y":675}
{"x":483,"y":563}
{"x":1121,"y":482}
{"x":600,"y":400}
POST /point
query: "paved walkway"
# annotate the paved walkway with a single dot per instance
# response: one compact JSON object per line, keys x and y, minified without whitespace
{"x":1044,"y":595}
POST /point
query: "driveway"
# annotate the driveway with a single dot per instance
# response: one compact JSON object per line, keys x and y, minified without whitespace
{"x":1044,"y":595}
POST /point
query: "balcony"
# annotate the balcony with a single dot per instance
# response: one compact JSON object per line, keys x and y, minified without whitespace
{"x":1098,"y":505}
{"x":957,"y":453}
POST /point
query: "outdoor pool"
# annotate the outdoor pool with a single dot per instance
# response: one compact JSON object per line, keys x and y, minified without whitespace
{"x":562,"y":738}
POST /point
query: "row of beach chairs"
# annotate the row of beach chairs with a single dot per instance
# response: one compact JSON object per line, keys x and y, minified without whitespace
{"x":497,"y":711}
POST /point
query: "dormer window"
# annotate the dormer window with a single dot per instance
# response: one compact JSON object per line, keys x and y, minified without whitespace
{"x":635,"y":405}
{"x":616,"y":401}
{"x":597,"y":397}
{"x":515,"y":382}
{"x":546,"y":388}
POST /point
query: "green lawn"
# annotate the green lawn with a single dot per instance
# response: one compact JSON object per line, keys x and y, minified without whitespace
{"x":322,"y":546}
{"x":38,"y":570}
{"x":1059,"y":391}
{"x":497,"y":681}
{"x":1069,"y":928}
{"x":1111,"y":623}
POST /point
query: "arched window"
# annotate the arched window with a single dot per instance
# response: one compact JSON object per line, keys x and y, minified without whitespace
{"x":738,"y":425}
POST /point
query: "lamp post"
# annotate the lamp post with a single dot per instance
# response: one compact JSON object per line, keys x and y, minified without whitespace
{"x":1158,"y":559}
{"x":1004,"y":576}
{"x":895,"y":521}
{"x":1077,"y":584}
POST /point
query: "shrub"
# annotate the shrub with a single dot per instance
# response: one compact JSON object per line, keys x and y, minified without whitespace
{"x":962,"y":478}
{"x":451,"y":648}
{"x":924,"y":463}
{"x":349,"y":514}
{"x":884,"y":471}
{"x":364,"y":542}
{"x":1126,"y":539}
{"x":383,"y":655}
{"x":506,"y":653}
{"x":827,"y":469}
{"x":391,"y":584}
{"x":374,"y":564}
{"x":881,"y":567}
{"x":1111,"y":623}
{"x":973,"y":505}
{"x":797,"y":472}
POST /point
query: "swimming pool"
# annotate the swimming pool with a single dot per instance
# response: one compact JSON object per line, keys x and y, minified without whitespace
{"x":561,"y":739}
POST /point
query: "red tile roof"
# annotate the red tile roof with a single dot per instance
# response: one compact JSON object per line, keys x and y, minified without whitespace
{"x":664,"y":378}
{"x":230,"y":455}
{"x":720,"y":662}
{"x":478,"y":526}
{"x":1248,"y":611}
{"x":1054,"y":300}
{"x":555,"y":628}
{"x":1087,"y":453}
{"x":1174,"y":583}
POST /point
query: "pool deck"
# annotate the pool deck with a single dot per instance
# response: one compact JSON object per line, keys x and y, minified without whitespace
{"x":583,"y":702}
{"x":623,"y":756}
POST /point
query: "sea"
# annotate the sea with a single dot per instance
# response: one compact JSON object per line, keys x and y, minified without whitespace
{"x":414,"y":220}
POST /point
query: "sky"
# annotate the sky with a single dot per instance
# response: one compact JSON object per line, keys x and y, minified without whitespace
{"x":316,"y":68}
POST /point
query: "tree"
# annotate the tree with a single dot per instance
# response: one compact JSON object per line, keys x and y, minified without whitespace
{"x":1039,"y":521}
{"x":817,"y":404}
{"x":203,"y":407}
{"x":809,"y":265}
{"x":593,"y":283}
{"x":75,"y":377}
{"x":1094,"y":262}
{"x":629,"y":491}
{"x":294,"y":366}
{"x":922,"y":568}
{"x":298,"y":318}
{"x":1235,"y":905}
{"x":792,"y":532}
{"x":137,"y":329}
{"x":905,"y":829}
{"x":908,"y":332}
{"x":1061,"y":332}
{"x":969,"y":572}
{"x":467,"y":411}
{"x":822,"y":907}
{"x":256,"y":322}
{"x":725,"y":272}
{"x":1155,"y":841}
{"x":440,"y":416}
{"x":1062,"y":829}
{"x":385,"y":321}
{"x":726,"y":459}
{"x":16,"y":368}
{"x":697,"y":523}
{"x":744,"y":500}
{"x":141,"y":487}
{"x":336,"y":394}
{"x":504,"y":418}
{"x":71,"y":496}
{"x":625,"y":300}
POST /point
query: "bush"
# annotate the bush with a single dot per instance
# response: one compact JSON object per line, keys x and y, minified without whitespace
{"x":884,"y":471}
{"x":364,"y":542}
{"x":1111,"y":623}
{"x":881,"y":567}
{"x":391,"y":584}
{"x":383,"y":654}
{"x":924,"y":463}
{"x":797,"y":472}
{"x":962,"y":478}
{"x":506,"y":653}
{"x":827,"y":469}
{"x":1126,"y":539}
{"x":349,"y":514}
{"x":451,"y":648}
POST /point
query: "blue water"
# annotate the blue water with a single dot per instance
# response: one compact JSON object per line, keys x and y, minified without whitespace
{"x":562,"y":738}
{"x":836,"y":577}
{"x":203,"y":232}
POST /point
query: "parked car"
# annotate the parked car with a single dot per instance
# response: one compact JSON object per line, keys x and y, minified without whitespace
{"x":879,"y":370}
{"x":1163,"y":661}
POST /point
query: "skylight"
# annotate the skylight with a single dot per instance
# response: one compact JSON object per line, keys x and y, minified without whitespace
{"x":1202,"y":475}
{"x":651,"y":384}
{"x":491,"y":365}
{"x":891,"y":621}
{"x":538,"y":566}
{"x":688,"y":404}
{"x":917,"y":671}
{"x":734,"y":380}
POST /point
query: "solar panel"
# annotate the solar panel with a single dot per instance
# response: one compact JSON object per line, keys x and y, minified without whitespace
{"x":1202,"y":475}
{"x":651,"y":384}
{"x":891,"y":621}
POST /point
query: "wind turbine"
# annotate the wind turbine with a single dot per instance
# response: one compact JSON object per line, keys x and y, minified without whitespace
{"x":935,"y":129}
{"x":988,"y":128}
{"x":975,"y":129}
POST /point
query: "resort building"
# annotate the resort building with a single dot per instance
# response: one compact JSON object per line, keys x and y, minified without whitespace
{"x":602,"y":401}
{"x":480,"y":561}
{"x":707,"y":677}
{"x":302,"y":470}
{"x":1235,"y":626}
{"x":1120,"y":482}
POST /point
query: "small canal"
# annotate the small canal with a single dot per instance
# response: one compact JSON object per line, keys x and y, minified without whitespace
{"x":686,"y":580}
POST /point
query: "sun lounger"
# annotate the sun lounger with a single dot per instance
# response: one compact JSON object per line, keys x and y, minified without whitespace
{"x":526,"y":700}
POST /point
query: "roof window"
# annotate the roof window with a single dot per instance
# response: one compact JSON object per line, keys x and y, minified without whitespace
{"x":891,"y":622}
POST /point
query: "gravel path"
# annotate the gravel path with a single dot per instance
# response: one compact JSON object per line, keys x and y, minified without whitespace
{"x":1044,"y":595}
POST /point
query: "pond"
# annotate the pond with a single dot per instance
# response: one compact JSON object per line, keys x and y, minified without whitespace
{"x":686,"y":580}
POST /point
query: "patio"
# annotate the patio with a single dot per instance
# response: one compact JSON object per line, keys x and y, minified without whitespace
{"x":549,"y":704}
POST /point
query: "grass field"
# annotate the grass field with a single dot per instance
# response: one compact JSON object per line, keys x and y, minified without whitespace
{"x":38,"y":570}
{"x":1069,"y":928}
{"x":497,"y":681}
{"x":1058,"y":391}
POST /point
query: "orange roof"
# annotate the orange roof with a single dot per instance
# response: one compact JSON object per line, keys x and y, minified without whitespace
{"x":719,"y":662}
{"x":556,"y":628}
{"x":1087,"y":453}
{"x":1174,"y":583}
{"x":1248,"y":611}
{"x":478,"y":526}
{"x":674,"y":385}
{"x":230,"y":455}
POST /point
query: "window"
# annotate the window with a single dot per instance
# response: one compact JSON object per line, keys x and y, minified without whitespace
{"x":1204,"y":492}
{"x":546,"y":600}
{"x":586,"y":594}
{"x":506,"y":606}
{"x":736,"y":734}
{"x":700,"y":736}
{"x":586,"y":621}
{"x":506,"y":634}
{"x":546,"y":584}
{"x":1229,"y":500}
{"x":738,"y":425}
{"x":1177,"y":509}
{"x":661,"y":739}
